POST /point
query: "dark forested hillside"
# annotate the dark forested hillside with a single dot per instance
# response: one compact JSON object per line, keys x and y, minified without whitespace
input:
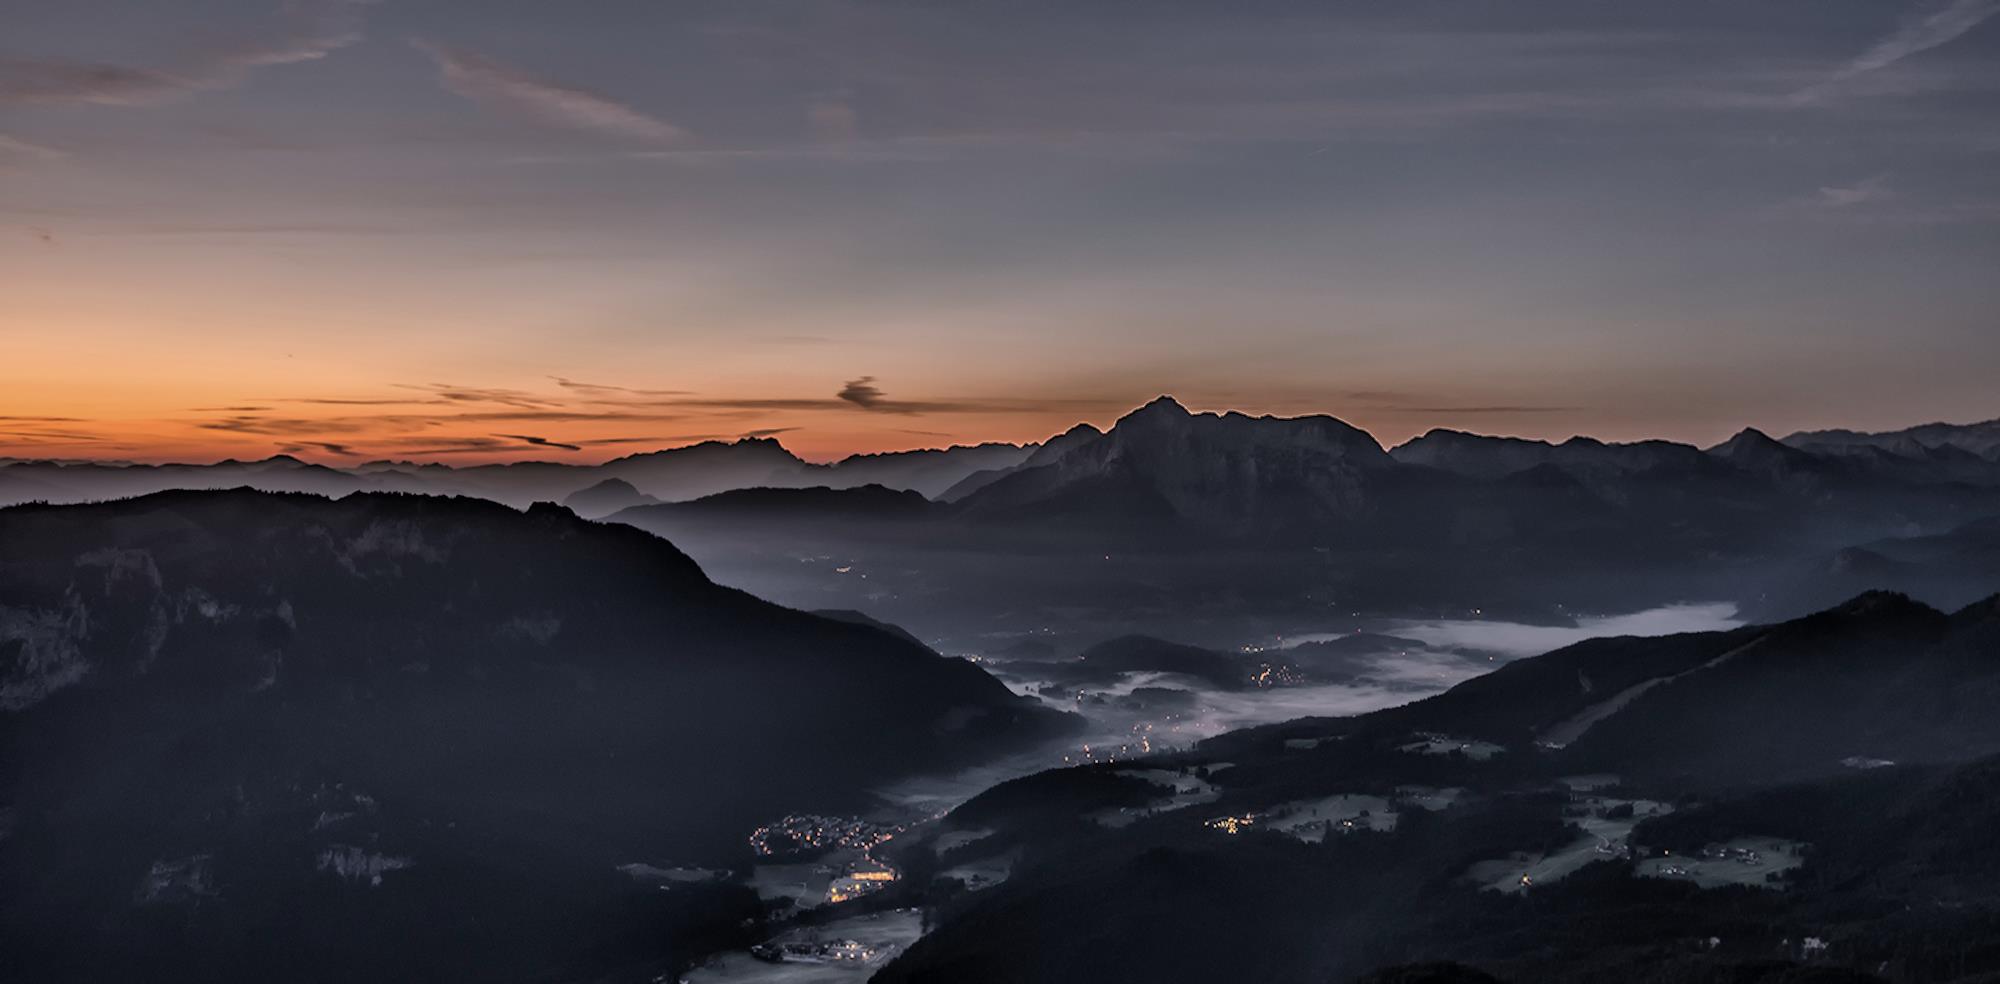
{"x":1807,"y":801}
{"x":240,"y":724}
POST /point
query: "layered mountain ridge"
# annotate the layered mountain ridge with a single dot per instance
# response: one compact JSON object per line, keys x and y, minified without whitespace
{"x":1184,"y":515}
{"x":671,"y":474}
{"x":1204,"y":461}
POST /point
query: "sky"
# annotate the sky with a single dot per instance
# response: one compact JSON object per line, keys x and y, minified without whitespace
{"x":471,"y":230}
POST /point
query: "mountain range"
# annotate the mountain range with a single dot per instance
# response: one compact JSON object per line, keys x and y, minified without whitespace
{"x":280,"y":735}
{"x":1188,"y":523}
{"x":1199,"y":463}
{"x":1209,"y":528}
{"x":671,"y":474}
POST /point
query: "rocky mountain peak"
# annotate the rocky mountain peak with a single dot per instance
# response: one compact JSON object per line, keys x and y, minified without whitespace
{"x":1749,"y":442}
{"x":1162,"y":411}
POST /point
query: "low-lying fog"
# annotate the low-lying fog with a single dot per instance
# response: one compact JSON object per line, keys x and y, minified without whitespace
{"x":1515,"y":640}
{"x":1145,"y":711}
{"x":1134,"y":712}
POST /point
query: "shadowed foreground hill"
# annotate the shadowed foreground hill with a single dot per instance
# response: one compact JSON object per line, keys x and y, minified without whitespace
{"x":1880,"y":677}
{"x":1862,"y":735}
{"x":301,"y":737}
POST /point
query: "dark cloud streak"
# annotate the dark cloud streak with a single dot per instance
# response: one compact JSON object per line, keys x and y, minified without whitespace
{"x":471,"y":394}
{"x":540,"y":442}
{"x":343,"y":450}
{"x":603,"y":389}
{"x":862,"y":393}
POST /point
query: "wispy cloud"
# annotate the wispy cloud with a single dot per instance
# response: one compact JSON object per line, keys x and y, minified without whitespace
{"x":908,"y":149}
{"x":24,"y":80}
{"x":485,"y":81}
{"x":354,"y":402}
{"x":1481,"y":410}
{"x":49,"y":437}
{"x":1387,"y":402}
{"x":483,"y":444}
{"x":14,"y":150}
{"x":1938,"y":27}
{"x":1943,"y":24}
{"x":312,"y":30}
{"x":262,"y":229}
{"x":45,"y":430}
{"x":1873,"y":189}
{"x":603,"y":389}
{"x":330,"y":447}
{"x":832,"y":118}
{"x":862,"y":393}
{"x":512,"y":410}
{"x":517,"y":442}
{"x":459,"y":445}
{"x":435,"y":419}
{"x":285,"y":426}
{"x":658,"y":440}
{"x":474,"y":394}
{"x":440,"y":418}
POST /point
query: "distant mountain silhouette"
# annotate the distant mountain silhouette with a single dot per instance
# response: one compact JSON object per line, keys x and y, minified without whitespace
{"x":928,"y":472}
{"x":1233,"y":471}
{"x":1205,"y":467}
{"x":1948,"y":569}
{"x":605,"y":498}
{"x":1758,"y":453}
{"x":1164,"y":476}
{"x":1197,"y":516}
{"x":788,"y":505}
{"x":1493,"y":457}
{"x":1231,"y":513}
{"x":672,"y":474}
{"x":705,"y":468}
{"x":1215,"y":470}
{"x":1981,"y":440}
{"x":1049,"y":451}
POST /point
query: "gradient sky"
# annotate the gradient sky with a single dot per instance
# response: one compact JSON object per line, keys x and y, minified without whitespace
{"x":489,"y":229}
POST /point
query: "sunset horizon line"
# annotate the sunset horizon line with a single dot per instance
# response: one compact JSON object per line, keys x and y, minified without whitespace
{"x":348,"y":456}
